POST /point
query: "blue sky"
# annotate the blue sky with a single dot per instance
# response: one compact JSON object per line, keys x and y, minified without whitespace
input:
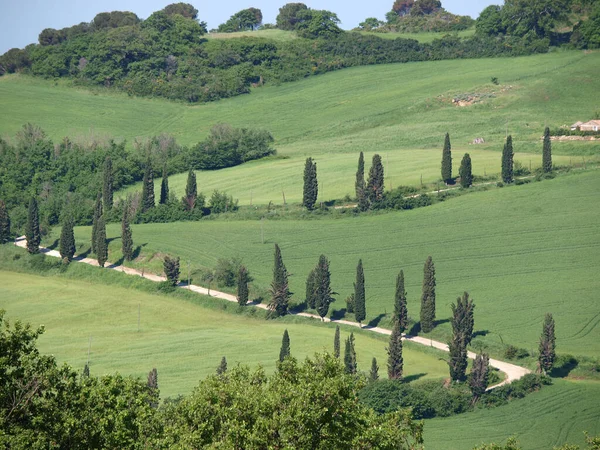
{"x":21,"y":21}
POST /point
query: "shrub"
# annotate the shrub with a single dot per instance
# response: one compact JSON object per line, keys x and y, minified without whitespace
{"x":226,"y":271}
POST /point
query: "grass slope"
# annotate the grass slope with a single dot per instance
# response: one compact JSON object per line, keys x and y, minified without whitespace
{"x":551,"y":417}
{"x":520,"y":251}
{"x":184,"y":341}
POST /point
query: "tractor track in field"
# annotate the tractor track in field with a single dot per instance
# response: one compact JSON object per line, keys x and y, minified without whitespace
{"x":512,"y":371}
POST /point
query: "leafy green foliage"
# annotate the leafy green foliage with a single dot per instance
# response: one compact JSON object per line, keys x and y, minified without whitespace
{"x":5,"y":234}
{"x":290,"y":15}
{"x":466,"y":172}
{"x":360,"y":310}
{"x":219,"y":202}
{"x":478,"y":379}
{"x":315,"y":24}
{"x":428,"y":297}
{"x":246,"y":19}
{"x":32,"y":232}
{"x":227,"y":271}
{"x":311,"y":186}
{"x":547,"y":347}
{"x":171,"y":269}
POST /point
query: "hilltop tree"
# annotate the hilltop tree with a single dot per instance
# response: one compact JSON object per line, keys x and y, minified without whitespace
{"x":4,"y":224}
{"x":311,"y":289}
{"x":311,"y":186}
{"x":547,"y":152}
{"x":126,"y":237}
{"x":324,"y":293}
{"x":360,"y":312}
{"x":403,"y":7}
{"x":547,"y":346}
{"x":95,"y":219}
{"x":101,"y":244}
{"x":400,"y":309}
{"x":171,"y":268}
{"x":428,"y":297}
{"x":462,"y":331}
{"x":289,"y":15}
{"x":107,"y":185}
{"x":242,"y":286}
{"x":164,"y":187}
{"x":183,"y":9}
{"x":374,"y":372}
{"x":350,"y":356}
{"x":67,"y":240}
{"x":280,"y":292}
{"x":425,"y":7}
{"x":285,"y":346}
{"x":32,"y":230}
{"x":507,"y":161}
{"x":222,"y":367}
{"x":336,"y":342}
{"x":478,"y":381}
{"x":375,"y":181}
{"x":465,"y":172}
{"x":447,"y":160}
{"x":191,"y":191}
{"x":148,"y":187}
{"x":394,"y":351}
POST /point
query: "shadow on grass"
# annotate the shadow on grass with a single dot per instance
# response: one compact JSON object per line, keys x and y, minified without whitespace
{"x":53,"y":245}
{"x":300,"y":307}
{"x":375,"y":322}
{"x":563,"y":366}
{"x":415,"y":329}
{"x":84,"y":254}
{"x":480,"y":333}
{"x":413,"y":377}
{"x":138,"y":250}
{"x":437,"y":323}
{"x":338,"y":314}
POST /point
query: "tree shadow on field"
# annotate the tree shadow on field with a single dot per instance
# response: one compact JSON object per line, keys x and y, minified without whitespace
{"x":437,"y":323}
{"x":138,"y":250}
{"x":300,"y":307}
{"x":375,"y":322}
{"x":563,"y":366}
{"x":480,"y":333}
{"x":413,"y":377}
{"x":338,"y":314}
{"x":53,"y":245}
{"x":109,"y":240}
{"x":85,"y":254}
{"x":117,"y":263}
{"x":414,"y":330}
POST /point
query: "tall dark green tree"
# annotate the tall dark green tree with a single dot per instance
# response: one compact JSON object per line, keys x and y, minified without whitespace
{"x":428,"y":297}
{"x":279,"y":291}
{"x":350,"y":355}
{"x":466,"y":171}
{"x":148,"y":187}
{"x":462,"y":331}
{"x":285,"y":346}
{"x":242,"y":286}
{"x":32,"y":229}
{"x":67,"y":240}
{"x":101,"y":244}
{"x":153,"y":379}
{"x":447,"y":160}
{"x":172,"y":270}
{"x":394,"y":351}
{"x":96,"y":217}
{"x":547,"y":152}
{"x":547,"y":348}
{"x":336,"y":342}
{"x":360,"y":310}
{"x":4,"y":224}
{"x":374,"y":372}
{"x":360,"y":186}
{"x":191,"y":191}
{"x":375,"y":181}
{"x":478,"y":381}
{"x":311,"y":289}
{"x":164,"y":187}
{"x":311,"y":186}
{"x":400,"y":308}
{"x":222,"y":367}
{"x":107,"y":185}
{"x":507,"y":161}
{"x":126,"y":236}
{"x":324,"y":295}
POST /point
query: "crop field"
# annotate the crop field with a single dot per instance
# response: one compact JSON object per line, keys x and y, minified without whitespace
{"x":519,"y":251}
{"x":183,"y":340}
{"x":540,"y":421}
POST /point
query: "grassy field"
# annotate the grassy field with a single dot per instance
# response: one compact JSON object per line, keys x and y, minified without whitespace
{"x":184,"y":341}
{"x":520,"y":251}
{"x":541,"y":421}
{"x":424,"y":37}
{"x":278,"y":35}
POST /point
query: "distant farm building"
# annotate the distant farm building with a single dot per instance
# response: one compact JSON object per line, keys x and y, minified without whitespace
{"x":592,"y":125}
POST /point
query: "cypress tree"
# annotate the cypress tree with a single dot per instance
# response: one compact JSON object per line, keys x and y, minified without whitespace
{"x":375,"y":182}
{"x":32,"y":230}
{"x":148,"y":188}
{"x":97,"y":214}
{"x":336,"y":342}
{"x":311,"y":289}
{"x":465,"y":316}
{"x":285,"y":346}
{"x":126,"y":237}
{"x":360,"y":312}
{"x":311,"y":186}
{"x":4,"y":224}
{"x":107,"y":185}
{"x":222,"y":367}
{"x":374,"y":372}
{"x":458,"y":358}
{"x":153,"y":386}
{"x":101,"y":244}
{"x":400,"y":309}
{"x":323,"y":287}
{"x":428,"y":297}
{"x":67,"y":240}
{"x":447,"y":160}
{"x":171,"y":268}
{"x":462,"y":330}
{"x":465,"y":171}
{"x":191,"y":191}
{"x":86,"y":371}
{"x":280,"y":292}
{"x":547,"y":348}
{"x":547,"y":152}
{"x":478,"y":381}
{"x":164,"y":187}
{"x":350,"y":355}
{"x":242,"y":286}
{"x":359,"y":184}
{"x":394,"y":351}
{"x":507,"y":161}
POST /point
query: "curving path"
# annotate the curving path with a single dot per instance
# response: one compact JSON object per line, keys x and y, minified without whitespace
{"x":512,"y":371}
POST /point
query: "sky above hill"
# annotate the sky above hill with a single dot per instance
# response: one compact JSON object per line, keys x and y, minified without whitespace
{"x":22,"y":21}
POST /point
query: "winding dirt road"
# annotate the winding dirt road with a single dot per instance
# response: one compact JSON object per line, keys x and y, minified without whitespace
{"x":512,"y":371}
